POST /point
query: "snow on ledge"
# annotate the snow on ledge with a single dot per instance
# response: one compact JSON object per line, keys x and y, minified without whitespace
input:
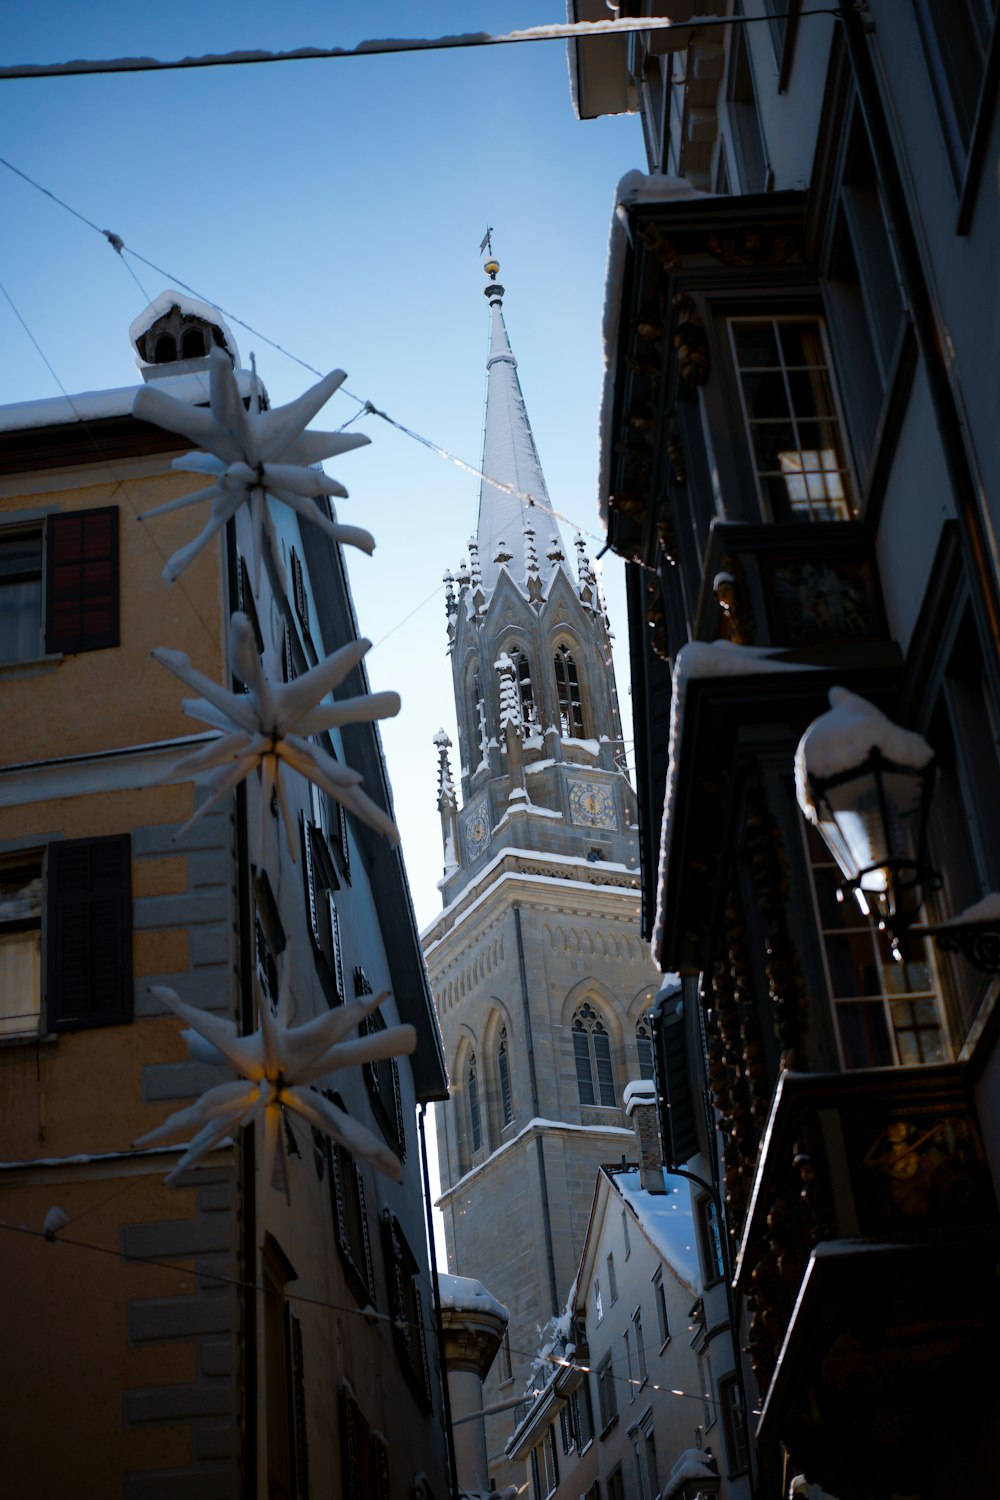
{"x":638,"y":1091}
{"x":465,"y":1294}
{"x":692,"y":1464}
{"x":696,"y":660}
{"x":618,"y":1131}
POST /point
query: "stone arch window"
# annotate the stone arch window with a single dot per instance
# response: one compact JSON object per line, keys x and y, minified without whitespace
{"x":503,"y":1074}
{"x":644,"y":1046}
{"x":475,"y":1114}
{"x":595,"y":1077}
{"x":568,"y":694}
{"x":522,"y":676}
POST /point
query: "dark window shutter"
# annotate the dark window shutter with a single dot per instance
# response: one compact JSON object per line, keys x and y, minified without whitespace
{"x":81,"y":580}
{"x":89,"y":918}
{"x":678,"y":1127}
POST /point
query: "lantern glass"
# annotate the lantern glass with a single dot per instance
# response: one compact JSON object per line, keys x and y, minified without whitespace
{"x":873,"y":819}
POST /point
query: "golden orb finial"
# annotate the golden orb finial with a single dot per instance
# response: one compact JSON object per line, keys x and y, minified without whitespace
{"x":492,"y":269}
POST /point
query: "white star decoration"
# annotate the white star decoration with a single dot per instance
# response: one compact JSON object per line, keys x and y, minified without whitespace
{"x":269,"y":725}
{"x":277,"y":1064}
{"x":252,"y":454}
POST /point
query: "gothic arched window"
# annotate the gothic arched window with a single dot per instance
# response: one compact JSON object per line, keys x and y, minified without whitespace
{"x":595,"y":1077}
{"x":522,"y":676}
{"x":192,"y":344}
{"x":644,"y":1044}
{"x":503,"y":1073}
{"x":475,"y":1118}
{"x":568,"y":694}
{"x":165,"y":349}
{"x":477,"y":720}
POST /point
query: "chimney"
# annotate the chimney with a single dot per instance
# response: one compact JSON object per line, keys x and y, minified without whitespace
{"x":640,"y":1104}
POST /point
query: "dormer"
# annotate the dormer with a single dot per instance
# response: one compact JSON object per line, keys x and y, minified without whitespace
{"x":175,"y":335}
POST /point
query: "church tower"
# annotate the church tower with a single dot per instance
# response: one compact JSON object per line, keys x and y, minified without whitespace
{"x":541,"y":980}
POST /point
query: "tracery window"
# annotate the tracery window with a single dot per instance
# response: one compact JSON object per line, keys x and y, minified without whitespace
{"x":644,"y":1046}
{"x":568,"y":694}
{"x":595,"y":1077}
{"x":475,"y":1117}
{"x":503,"y":1072}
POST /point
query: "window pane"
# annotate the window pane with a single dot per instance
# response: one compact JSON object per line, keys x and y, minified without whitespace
{"x":605,"y":1075}
{"x":20,"y":598}
{"x":765,"y":394}
{"x":756,"y":345}
{"x":864,"y":1035}
{"x":20,"y":980}
{"x":584,"y":1081}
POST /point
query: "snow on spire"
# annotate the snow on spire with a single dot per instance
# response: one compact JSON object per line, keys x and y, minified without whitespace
{"x":503,"y":554}
{"x":446,"y":787}
{"x":475,"y":571}
{"x":509,"y":452}
{"x":555,"y":551}
{"x":586,"y":577}
{"x":530,"y":552}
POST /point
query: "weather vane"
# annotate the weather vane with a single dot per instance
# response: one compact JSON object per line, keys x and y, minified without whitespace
{"x":487,"y":242}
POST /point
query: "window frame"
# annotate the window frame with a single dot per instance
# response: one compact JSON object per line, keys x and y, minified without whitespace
{"x":586,"y":1023}
{"x":662,"y":1312}
{"x":19,"y":872}
{"x":965,"y":154}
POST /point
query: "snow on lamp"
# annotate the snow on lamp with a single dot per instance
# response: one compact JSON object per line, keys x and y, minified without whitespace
{"x":865,"y":784}
{"x":251,"y":455}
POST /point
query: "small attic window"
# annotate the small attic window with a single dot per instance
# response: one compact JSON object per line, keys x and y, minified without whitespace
{"x":192,"y":344}
{"x":165,"y":349}
{"x":178,"y":335}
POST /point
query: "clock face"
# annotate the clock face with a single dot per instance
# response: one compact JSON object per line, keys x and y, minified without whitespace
{"x":477,"y":831}
{"x":591,"y":804}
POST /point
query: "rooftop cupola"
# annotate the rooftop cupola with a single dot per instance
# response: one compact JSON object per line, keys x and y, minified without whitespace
{"x":175,"y":335}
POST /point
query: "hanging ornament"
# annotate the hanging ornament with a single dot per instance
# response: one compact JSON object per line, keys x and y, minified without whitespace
{"x":277,"y":1064}
{"x":252,"y":455}
{"x":269,"y":725}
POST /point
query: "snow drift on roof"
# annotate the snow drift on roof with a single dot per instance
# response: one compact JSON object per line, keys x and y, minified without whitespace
{"x":191,"y":307}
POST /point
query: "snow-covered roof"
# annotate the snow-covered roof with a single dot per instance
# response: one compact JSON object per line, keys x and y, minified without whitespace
{"x":95,"y":406}
{"x":843,"y":738}
{"x":509,"y":455}
{"x":465,"y":1294}
{"x":634,"y":188}
{"x":667,"y":1219}
{"x":638,"y":1091}
{"x":191,"y":307}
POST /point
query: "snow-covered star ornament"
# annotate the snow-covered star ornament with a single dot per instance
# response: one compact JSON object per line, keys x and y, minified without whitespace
{"x":251,"y":455}
{"x":268,"y":727}
{"x":277,"y":1064}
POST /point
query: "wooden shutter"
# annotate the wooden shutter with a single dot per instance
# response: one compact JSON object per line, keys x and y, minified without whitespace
{"x":678,"y":1121}
{"x":89,"y":918}
{"x":81,"y":580}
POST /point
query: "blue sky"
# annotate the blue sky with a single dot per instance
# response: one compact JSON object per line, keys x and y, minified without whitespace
{"x":338,"y":208}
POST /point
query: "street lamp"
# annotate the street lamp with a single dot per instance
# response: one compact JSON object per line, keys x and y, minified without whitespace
{"x":866,"y":785}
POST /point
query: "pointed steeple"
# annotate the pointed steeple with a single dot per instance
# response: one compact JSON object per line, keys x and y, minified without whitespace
{"x":509,"y":455}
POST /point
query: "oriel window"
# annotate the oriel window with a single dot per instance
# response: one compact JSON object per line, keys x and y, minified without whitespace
{"x":793,"y":425}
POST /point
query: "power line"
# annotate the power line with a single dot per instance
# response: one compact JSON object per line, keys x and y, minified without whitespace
{"x":569,"y":31}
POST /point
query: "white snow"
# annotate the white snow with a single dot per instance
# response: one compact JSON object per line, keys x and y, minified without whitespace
{"x":537,"y":765}
{"x":700,"y":659}
{"x":844,"y":737}
{"x":606,"y":867}
{"x":635,"y":187}
{"x":986,"y":910}
{"x":592,"y":747}
{"x":192,"y":307}
{"x":465,"y":1294}
{"x":638,"y":1091}
{"x":96,"y":406}
{"x":528,"y":809}
{"x":692,"y":1464}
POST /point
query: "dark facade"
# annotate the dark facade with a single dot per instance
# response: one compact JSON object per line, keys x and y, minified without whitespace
{"x":800,"y":467}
